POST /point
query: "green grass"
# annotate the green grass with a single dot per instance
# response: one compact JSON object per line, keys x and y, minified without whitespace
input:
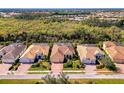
{"x":82,"y":81}
{"x":73,"y":64}
{"x":38,"y":72}
{"x":100,"y":81}
{"x":19,"y":81}
{"x":74,"y":72}
{"x":42,"y":65}
{"x":73,"y":69}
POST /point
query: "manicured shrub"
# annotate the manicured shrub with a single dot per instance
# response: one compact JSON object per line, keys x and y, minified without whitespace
{"x":100,"y":66}
{"x":106,"y":61}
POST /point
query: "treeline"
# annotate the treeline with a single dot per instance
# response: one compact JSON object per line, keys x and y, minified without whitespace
{"x":31,"y":16}
{"x":90,"y":21}
{"x":56,"y":30}
{"x":103,"y":22}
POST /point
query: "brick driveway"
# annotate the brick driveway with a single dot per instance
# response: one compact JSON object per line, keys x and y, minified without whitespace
{"x":56,"y":68}
{"x":4,"y":68}
{"x":90,"y":69}
{"x":120,"y":67}
{"x":23,"y":68}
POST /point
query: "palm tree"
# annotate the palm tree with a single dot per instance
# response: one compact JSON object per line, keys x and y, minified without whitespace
{"x":59,"y":79}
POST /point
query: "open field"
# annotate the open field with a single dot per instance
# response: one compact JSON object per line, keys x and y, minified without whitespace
{"x":87,"y":81}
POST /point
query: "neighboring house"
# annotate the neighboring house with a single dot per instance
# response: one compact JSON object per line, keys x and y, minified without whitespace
{"x":115,"y":52}
{"x":60,"y":52}
{"x":35,"y":52}
{"x":89,"y":53}
{"x":1,"y":46}
{"x":107,"y":44}
{"x":12,"y":52}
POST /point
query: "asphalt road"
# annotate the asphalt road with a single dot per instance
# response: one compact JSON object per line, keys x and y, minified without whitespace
{"x":72,"y":76}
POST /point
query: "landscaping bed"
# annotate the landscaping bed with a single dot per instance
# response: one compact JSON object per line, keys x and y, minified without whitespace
{"x":0,"y":62}
{"x":73,"y":64}
{"x":14,"y":66}
{"x":38,"y":72}
{"x":41,"y":65}
{"x":106,"y":63}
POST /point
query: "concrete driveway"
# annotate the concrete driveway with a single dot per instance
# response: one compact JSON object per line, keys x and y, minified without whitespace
{"x":23,"y":68}
{"x":4,"y":68}
{"x":120,"y":67}
{"x":56,"y":68}
{"x":90,"y":69}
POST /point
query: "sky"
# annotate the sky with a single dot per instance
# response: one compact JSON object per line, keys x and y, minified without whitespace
{"x":61,"y":3}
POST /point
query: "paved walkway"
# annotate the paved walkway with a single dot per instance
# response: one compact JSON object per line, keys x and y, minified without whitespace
{"x":72,"y":76}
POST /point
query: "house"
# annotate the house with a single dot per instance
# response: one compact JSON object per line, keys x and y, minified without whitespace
{"x":12,"y":52}
{"x":115,"y":52}
{"x":60,"y":52}
{"x":107,"y":44}
{"x":35,"y":52}
{"x":89,"y":53}
{"x":1,"y":46}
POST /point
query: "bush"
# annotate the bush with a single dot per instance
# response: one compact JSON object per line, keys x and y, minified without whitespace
{"x":100,"y":66}
{"x":45,"y":65}
{"x":68,"y":64}
{"x":0,"y":62}
{"x":111,"y":66}
{"x":76,"y":64}
{"x":35,"y":65}
{"x":108,"y":63}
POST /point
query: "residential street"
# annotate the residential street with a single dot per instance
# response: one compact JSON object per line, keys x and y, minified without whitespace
{"x":72,"y":76}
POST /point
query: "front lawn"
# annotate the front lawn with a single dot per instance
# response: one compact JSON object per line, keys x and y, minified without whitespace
{"x":38,"y":72}
{"x":73,"y":72}
{"x":41,"y":65}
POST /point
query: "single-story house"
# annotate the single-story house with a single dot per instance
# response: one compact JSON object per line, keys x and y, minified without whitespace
{"x":60,"y":51}
{"x":107,"y":44}
{"x":115,"y":52}
{"x":1,"y":46}
{"x":35,"y":52}
{"x":12,"y":52}
{"x":89,"y":53}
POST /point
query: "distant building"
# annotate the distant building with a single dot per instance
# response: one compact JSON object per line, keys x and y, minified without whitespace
{"x":34,"y":52}
{"x":89,"y":53}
